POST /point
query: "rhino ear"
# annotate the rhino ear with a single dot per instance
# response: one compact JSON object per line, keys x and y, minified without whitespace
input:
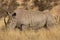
{"x":14,"y":14}
{"x":8,"y":13}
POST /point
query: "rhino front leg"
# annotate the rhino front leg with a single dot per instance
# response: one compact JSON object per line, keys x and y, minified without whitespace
{"x":22,"y":26}
{"x":25,"y":27}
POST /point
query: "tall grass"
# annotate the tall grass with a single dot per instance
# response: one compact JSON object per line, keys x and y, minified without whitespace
{"x":52,"y":33}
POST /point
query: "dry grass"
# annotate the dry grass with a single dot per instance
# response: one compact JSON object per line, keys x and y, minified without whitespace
{"x":53,"y":33}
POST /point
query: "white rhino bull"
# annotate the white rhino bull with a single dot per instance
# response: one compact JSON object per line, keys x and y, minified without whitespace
{"x":34,"y":19}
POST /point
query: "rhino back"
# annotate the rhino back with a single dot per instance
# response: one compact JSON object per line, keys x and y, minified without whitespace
{"x":31,"y":17}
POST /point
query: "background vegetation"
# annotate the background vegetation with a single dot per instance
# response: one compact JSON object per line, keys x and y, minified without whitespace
{"x":42,"y":5}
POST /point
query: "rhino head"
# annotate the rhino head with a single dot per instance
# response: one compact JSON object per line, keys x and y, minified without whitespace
{"x":11,"y":22}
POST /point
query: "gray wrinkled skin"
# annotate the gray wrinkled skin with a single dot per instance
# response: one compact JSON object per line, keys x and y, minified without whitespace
{"x":34,"y":19}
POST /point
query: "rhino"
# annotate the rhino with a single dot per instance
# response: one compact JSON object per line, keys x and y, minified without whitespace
{"x":27,"y":18}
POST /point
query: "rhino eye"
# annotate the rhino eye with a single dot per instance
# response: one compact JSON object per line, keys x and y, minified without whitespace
{"x":14,"y":14}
